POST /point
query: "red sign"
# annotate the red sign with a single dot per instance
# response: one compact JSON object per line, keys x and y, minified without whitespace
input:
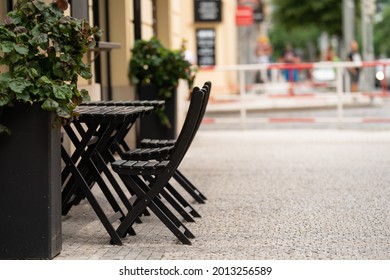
{"x":244,"y":15}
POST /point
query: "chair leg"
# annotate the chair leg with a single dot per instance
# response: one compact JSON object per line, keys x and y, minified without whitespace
{"x":189,"y":187}
{"x":182,"y":211}
{"x":177,"y":201}
{"x":180,"y":232}
{"x":115,"y":239}
{"x":182,"y":201}
{"x":173,"y":219}
{"x":160,"y":210}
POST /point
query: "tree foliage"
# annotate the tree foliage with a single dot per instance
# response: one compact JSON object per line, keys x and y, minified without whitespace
{"x":324,"y":14}
{"x":382,"y":34}
{"x":300,"y":38}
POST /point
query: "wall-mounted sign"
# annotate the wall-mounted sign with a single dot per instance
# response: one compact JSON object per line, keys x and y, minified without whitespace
{"x":205,"y":46}
{"x":208,"y":10}
{"x":257,"y":11}
{"x":244,"y":16}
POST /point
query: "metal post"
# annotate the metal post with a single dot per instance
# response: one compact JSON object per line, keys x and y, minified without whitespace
{"x":339,"y":72}
{"x":368,"y":11}
{"x":348,"y":33}
{"x":348,"y":24}
{"x":242,"y":97}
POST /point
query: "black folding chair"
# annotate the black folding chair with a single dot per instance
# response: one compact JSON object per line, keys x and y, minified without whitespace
{"x":117,"y":144}
{"x":159,"y":172}
{"x":185,"y":209}
{"x":161,"y":148}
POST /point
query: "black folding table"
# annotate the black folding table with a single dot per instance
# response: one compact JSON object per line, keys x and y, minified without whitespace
{"x":92,"y":135}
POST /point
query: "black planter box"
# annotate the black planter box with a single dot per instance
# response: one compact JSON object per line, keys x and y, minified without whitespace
{"x":150,"y":126}
{"x":30,"y":185}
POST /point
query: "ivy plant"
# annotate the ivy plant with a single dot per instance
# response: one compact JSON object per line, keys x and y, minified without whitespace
{"x":152,"y":63}
{"x":42,"y":53}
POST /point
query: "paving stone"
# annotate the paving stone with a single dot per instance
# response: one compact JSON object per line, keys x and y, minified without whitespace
{"x":275,"y":194}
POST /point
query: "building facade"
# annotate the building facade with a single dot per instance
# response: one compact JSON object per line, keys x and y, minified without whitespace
{"x":212,"y":40}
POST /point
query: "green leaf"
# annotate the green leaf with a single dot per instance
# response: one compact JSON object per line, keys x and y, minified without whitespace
{"x":25,"y":96}
{"x":7,"y":46}
{"x":33,"y":73}
{"x":50,"y":105}
{"x":15,"y":18}
{"x":65,"y":57}
{"x":4,"y":77}
{"x":35,"y":91}
{"x":20,"y":71}
{"x":39,"y":40}
{"x":21,"y":49}
{"x":36,"y":31}
{"x":4,"y":99}
{"x":18,"y":85}
{"x":62,"y":92}
{"x":65,"y":29}
{"x":45,"y":80}
{"x":86,"y":73}
{"x":63,"y":111}
{"x":85,"y":95}
{"x":15,"y":57}
{"x":39,"y":5}
{"x":58,"y":70}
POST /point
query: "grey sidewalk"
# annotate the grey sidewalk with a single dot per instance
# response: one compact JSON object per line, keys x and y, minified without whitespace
{"x":284,"y":194}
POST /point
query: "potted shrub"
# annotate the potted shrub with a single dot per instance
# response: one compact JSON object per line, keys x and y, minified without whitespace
{"x":156,"y":71}
{"x":41,"y":51}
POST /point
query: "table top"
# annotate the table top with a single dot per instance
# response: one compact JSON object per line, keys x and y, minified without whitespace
{"x":154,"y":103}
{"x":110,"y":113}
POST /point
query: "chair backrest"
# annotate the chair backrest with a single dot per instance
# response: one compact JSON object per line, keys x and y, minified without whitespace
{"x":185,"y":137}
{"x":207,"y":88}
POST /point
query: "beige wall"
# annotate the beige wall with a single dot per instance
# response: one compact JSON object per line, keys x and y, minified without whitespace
{"x":3,"y":10}
{"x":147,"y":19}
{"x":169,"y":13}
{"x":121,"y":31}
{"x":175,"y":20}
{"x":226,"y":44}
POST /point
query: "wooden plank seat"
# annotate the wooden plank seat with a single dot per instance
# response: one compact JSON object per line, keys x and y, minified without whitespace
{"x":149,"y":153}
{"x":149,"y":143}
{"x":148,"y":179}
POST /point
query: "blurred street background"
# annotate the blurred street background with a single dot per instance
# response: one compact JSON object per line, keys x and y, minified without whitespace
{"x":294,"y":151}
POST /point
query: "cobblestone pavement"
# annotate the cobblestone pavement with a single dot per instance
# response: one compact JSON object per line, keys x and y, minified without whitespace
{"x":273,"y":194}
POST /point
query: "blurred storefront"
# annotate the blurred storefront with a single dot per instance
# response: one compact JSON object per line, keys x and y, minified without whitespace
{"x":208,"y":27}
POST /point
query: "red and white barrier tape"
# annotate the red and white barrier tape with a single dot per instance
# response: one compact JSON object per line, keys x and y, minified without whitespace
{"x":280,"y":120}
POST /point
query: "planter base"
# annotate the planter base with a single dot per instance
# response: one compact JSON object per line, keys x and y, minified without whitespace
{"x":150,"y":126}
{"x":30,"y":187}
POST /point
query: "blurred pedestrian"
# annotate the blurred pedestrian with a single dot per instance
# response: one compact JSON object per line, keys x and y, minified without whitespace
{"x":289,"y":56}
{"x":330,"y":54}
{"x":263,"y":56}
{"x":354,"y":72}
